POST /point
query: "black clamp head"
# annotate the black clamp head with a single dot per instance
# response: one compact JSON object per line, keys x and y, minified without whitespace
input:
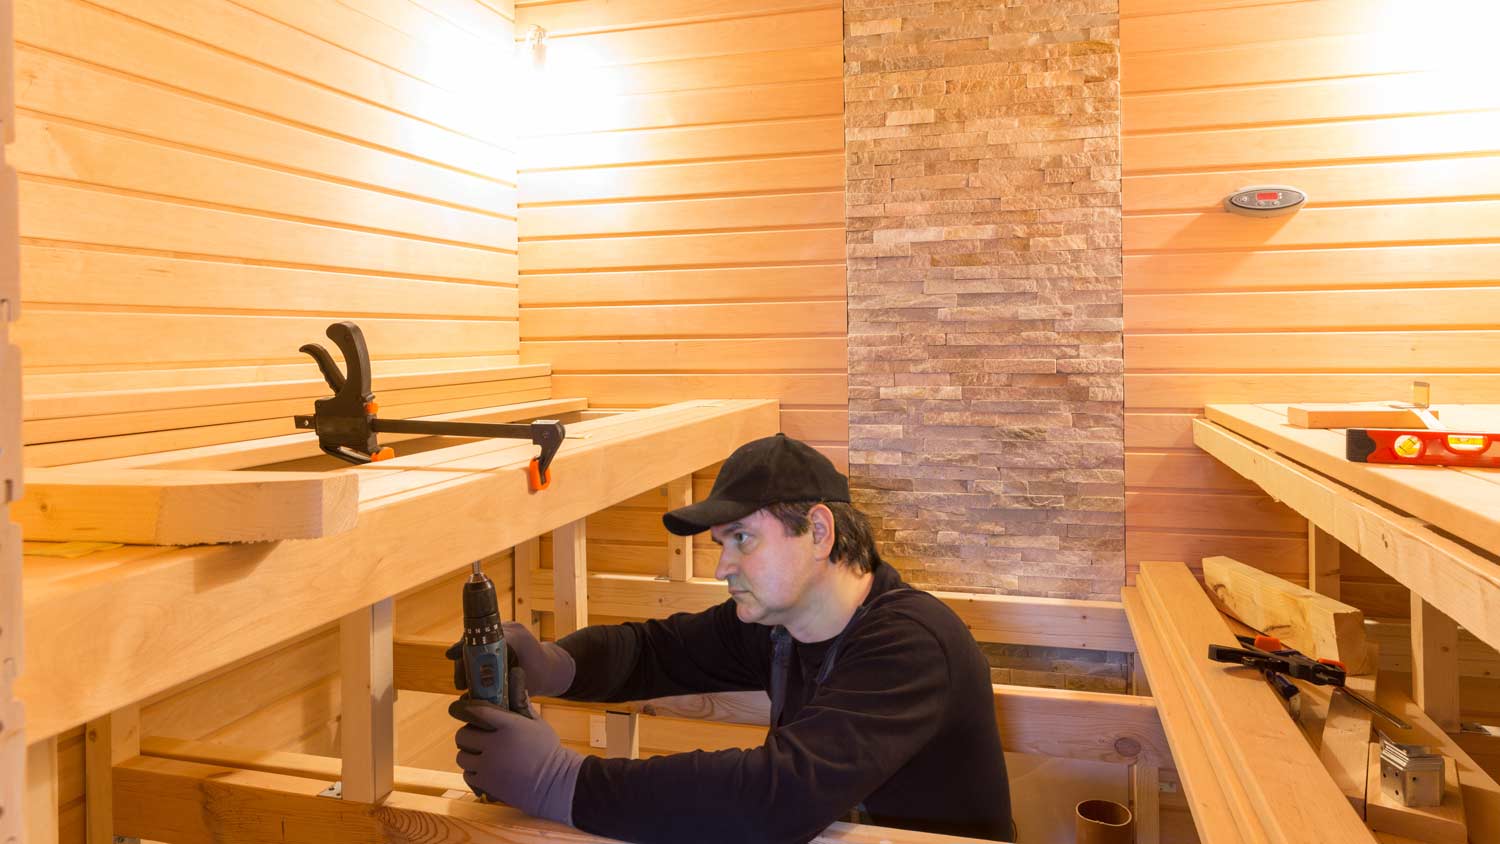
{"x":344,"y":421}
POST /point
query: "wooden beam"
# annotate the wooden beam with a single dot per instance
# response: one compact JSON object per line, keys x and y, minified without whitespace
{"x":1145,"y":802}
{"x":1452,"y":500}
{"x":1094,"y":726}
{"x":1007,"y":619}
{"x":622,"y":735}
{"x":108,"y":742}
{"x":679,"y":548}
{"x":1324,"y":561}
{"x":1353,"y":415}
{"x":1282,"y":777}
{"x":251,"y":807}
{"x":367,"y":727}
{"x":1344,"y":742}
{"x":570,"y":572}
{"x":170,"y":507}
{"x":1463,"y":584}
{"x":527,"y":558}
{"x":1434,"y":651}
{"x":253,"y":596}
{"x":415,"y":780}
{"x":1210,"y":804}
{"x":41,"y":791}
{"x":1314,"y":624}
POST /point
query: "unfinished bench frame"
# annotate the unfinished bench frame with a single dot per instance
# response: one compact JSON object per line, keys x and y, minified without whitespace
{"x":1435,"y":530}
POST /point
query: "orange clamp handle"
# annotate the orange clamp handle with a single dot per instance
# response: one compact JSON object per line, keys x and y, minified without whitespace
{"x":385,"y":453}
{"x":536,"y":481}
{"x":1267,"y":643}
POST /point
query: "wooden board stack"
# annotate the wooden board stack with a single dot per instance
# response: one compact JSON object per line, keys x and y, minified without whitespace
{"x":12,"y":739}
{"x":1249,"y":774}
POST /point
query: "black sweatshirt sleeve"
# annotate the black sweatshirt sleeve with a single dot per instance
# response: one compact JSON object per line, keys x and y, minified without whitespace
{"x":687,"y":653}
{"x":883,"y":702}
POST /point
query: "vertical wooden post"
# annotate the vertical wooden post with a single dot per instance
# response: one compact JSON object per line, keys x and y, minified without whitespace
{"x":367,"y":736}
{"x":1145,"y":795}
{"x":527,"y":555}
{"x":1324,"y":553}
{"x":41,"y":792}
{"x":570,"y":572}
{"x":1434,"y":663}
{"x":622,"y":735}
{"x":679,"y":548}
{"x":108,"y":741}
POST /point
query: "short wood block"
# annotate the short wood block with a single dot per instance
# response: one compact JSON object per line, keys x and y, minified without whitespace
{"x":184,"y":507}
{"x":1353,"y":416}
{"x":1443,"y":824}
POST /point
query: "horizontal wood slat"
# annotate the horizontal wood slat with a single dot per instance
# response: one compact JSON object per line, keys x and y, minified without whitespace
{"x":73,"y":214}
{"x":61,"y":275}
{"x":1190,"y":389}
{"x":72,"y":28}
{"x":60,"y":87}
{"x":71,"y":338}
{"x":569,"y":18}
{"x":74,"y":154}
{"x":1353,"y":141}
{"x":1401,"y":181}
{"x":1313,"y":227}
{"x":767,"y":175}
{"x":829,"y":354}
{"x":685,"y":143}
{"x":712,"y":320}
{"x":1383,"y":266}
{"x":742,"y":34}
{"x":774,"y":211}
{"x":652,"y":251}
{"x":1363,"y":351}
{"x":1452,"y":308}
{"x":666,"y":286}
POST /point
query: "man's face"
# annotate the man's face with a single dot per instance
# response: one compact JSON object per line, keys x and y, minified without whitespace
{"x":770,"y":574}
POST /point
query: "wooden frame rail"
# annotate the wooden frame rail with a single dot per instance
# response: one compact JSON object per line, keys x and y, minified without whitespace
{"x":176,"y":613}
{"x":206,"y":794}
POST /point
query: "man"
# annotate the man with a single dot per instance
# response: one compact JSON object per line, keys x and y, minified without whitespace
{"x":880,"y":699}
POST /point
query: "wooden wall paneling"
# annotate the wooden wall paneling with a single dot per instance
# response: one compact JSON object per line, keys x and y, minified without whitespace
{"x":42,"y":792}
{"x":14,"y":782}
{"x":1398,"y":152}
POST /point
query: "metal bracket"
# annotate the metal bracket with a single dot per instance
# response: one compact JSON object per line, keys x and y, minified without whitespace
{"x":336,"y":791}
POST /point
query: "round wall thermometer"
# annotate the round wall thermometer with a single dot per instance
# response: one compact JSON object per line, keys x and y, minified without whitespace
{"x":1265,"y":200}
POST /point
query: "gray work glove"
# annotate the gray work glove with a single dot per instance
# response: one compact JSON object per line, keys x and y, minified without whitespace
{"x":517,"y":761}
{"x":549,"y":669}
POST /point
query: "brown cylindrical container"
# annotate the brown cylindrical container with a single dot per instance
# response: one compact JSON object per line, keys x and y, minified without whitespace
{"x":1103,"y":822}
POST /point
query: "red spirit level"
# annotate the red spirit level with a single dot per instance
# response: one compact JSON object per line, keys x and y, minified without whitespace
{"x":1422,"y":448}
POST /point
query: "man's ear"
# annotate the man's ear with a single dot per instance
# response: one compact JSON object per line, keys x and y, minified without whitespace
{"x":822,"y":530}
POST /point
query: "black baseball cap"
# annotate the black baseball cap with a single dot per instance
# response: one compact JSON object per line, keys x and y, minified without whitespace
{"x":761,"y":472}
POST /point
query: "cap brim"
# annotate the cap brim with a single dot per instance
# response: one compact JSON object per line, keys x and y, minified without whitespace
{"x":696,"y":518}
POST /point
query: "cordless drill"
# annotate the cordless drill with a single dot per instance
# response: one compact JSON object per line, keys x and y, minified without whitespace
{"x":484,"y":654}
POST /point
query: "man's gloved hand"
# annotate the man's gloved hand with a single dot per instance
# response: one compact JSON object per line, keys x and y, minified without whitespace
{"x":549,"y":669}
{"x":515,"y":760}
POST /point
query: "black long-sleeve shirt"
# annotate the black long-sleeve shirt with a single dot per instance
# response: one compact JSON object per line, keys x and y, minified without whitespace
{"x":904,"y":725}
